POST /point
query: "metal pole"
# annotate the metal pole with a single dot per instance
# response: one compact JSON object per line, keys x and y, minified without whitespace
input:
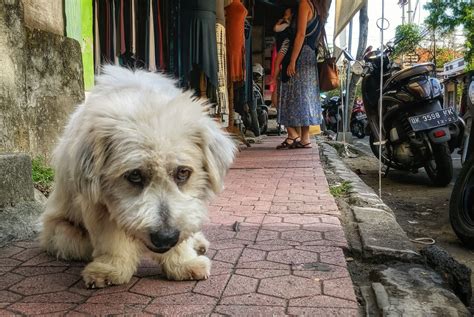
{"x":403,"y":13}
{"x":410,"y":20}
{"x":380,"y":97}
{"x":348,"y":82}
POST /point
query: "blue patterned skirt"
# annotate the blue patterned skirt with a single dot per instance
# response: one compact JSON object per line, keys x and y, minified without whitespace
{"x":300,"y":104}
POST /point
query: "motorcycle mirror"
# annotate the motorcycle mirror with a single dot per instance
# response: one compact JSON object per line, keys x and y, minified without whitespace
{"x":348,"y":55}
{"x":357,"y":68}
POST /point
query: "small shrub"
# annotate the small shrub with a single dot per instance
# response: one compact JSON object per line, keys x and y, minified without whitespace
{"x":43,"y":175}
{"x":341,"y":189}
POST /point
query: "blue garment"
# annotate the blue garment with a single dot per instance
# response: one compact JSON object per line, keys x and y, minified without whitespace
{"x":300,"y":105}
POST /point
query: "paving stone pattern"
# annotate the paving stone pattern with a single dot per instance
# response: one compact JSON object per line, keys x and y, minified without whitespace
{"x":276,"y":248}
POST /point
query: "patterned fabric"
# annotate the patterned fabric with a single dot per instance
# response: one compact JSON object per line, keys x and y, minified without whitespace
{"x":222,"y":93}
{"x":284,"y":47}
{"x":300,"y":105}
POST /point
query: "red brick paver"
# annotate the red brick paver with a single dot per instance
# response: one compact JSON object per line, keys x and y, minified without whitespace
{"x":276,"y":248}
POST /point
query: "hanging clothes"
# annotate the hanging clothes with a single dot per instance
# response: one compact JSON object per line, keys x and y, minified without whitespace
{"x":97,"y":54}
{"x":159,"y":61}
{"x":235,"y":14}
{"x":141,"y":14}
{"x":151,"y":40}
{"x":198,"y":38}
{"x":222,"y":93}
{"x":172,"y":13}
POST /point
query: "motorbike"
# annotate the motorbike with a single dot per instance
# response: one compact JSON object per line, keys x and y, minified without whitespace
{"x":332,"y":109}
{"x":256,"y":119}
{"x":417,"y":131}
{"x":358,"y":120}
{"x":461,"y":204}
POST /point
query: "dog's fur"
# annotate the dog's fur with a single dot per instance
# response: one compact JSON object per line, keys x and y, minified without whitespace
{"x":134,"y":120}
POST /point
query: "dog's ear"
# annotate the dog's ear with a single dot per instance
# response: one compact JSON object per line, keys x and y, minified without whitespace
{"x":219,"y":152}
{"x":90,"y":158}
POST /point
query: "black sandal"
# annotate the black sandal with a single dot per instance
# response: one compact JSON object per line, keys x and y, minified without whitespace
{"x":299,"y":145}
{"x":285,"y":145}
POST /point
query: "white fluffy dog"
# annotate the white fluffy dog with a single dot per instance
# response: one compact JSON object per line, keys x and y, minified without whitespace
{"x":134,"y":169}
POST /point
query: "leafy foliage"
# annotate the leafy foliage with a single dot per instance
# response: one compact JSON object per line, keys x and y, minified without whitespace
{"x":42,"y":174}
{"x":443,"y":55}
{"x":446,"y":15}
{"x":341,"y":189}
{"x":407,"y":37}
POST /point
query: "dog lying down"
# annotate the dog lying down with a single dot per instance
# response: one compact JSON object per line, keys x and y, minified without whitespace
{"x":136,"y":165}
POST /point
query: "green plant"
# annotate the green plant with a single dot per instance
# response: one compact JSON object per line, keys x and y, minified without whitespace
{"x":408,"y":37}
{"x":446,"y":15}
{"x":341,"y":189}
{"x":42,"y":174}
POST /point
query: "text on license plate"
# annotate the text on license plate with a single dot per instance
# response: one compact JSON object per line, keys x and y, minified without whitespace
{"x":433,"y":119}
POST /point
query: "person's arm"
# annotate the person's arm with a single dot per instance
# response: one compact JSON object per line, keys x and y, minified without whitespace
{"x":280,"y":26}
{"x":304,"y":10}
{"x":279,"y":59}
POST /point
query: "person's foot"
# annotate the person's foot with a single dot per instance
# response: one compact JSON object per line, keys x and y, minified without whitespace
{"x":288,"y":143}
{"x":303,"y":144}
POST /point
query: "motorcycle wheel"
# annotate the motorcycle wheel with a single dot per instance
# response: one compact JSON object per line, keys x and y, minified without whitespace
{"x":254,"y":122}
{"x":263,"y":121}
{"x":461,"y":205}
{"x":385,"y":158}
{"x":440,"y":168}
{"x":357,"y":129}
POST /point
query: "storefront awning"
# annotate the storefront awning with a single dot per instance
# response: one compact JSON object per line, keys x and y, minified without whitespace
{"x":345,"y":11}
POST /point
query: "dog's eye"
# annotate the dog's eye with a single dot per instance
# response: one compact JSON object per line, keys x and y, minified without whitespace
{"x":182,"y":174}
{"x":135,"y":177}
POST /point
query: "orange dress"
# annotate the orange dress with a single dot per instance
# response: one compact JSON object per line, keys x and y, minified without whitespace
{"x":235,"y":14}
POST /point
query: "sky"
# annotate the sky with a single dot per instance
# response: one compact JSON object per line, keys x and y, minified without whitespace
{"x":393,"y":13}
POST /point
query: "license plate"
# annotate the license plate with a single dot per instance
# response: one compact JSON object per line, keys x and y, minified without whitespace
{"x":433,"y":119}
{"x":361,"y":116}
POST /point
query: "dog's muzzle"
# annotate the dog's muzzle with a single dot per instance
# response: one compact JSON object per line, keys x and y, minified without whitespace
{"x":164,"y":239}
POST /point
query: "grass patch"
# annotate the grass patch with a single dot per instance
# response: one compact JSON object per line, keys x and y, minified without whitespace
{"x":340,"y":189}
{"x":43,"y":175}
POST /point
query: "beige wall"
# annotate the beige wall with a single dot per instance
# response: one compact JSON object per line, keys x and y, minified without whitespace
{"x":46,"y":15}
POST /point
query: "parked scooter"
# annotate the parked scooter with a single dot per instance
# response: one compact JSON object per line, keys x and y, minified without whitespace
{"x":415,"y":126}
{"x":332,"y":113}
{"x":358,"y":119}
{"x":256,"y":121}
{"x":461,"y":204}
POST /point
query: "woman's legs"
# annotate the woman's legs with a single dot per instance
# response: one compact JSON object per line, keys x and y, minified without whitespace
{"x":292,"y":133}
{"x":293,"y":136}
{"x":305,"y":137}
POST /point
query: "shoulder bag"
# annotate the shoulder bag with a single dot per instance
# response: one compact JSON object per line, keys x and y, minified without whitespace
{"x":327,"y":68}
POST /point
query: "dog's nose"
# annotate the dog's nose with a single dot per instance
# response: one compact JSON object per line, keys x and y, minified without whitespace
{"x":164,"y":239}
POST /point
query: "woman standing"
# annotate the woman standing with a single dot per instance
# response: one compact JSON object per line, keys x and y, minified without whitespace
{"x":300,"y":105}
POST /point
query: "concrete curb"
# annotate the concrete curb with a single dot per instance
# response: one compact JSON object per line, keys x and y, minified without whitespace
{"x":403,"y":287}
{"x":381,"y":236}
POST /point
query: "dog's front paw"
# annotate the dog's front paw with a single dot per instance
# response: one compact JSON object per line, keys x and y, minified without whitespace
{"x":99,"y":275}
{"x":198,"y":268}
{"x":200,"y":243}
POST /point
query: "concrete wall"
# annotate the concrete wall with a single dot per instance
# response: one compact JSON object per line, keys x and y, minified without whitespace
{"x":40,"y":83}
{"x":46,"y":15}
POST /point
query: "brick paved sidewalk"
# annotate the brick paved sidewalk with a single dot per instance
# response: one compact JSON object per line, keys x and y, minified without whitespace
{"x":276,"y":247}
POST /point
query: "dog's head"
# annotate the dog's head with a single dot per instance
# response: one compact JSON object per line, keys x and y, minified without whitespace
{"x":150,"y":154}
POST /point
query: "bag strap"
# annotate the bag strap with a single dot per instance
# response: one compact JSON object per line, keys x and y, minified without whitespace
{"x":323,"y":40}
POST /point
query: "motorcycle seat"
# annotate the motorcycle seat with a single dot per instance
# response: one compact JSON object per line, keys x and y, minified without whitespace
{"x":412,"y":71}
